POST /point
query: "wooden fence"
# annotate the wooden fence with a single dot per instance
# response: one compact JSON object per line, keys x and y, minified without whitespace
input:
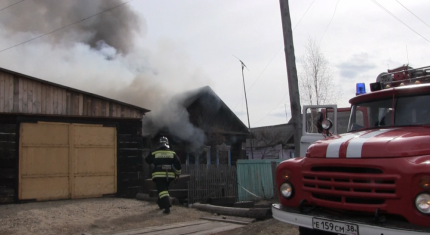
{"x":209,"y":181}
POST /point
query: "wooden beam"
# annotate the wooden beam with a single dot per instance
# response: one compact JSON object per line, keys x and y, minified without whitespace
{"x":21,"y":91}
{"x":15,"y":94}
{"x":64,"y":98}
{"x":24,"y":95}
{"x":30,"y":96}
{"x":258,"y":213}
{"x":42,"y":98}
{"x":81,"y":105}
{"x":2,"y":91}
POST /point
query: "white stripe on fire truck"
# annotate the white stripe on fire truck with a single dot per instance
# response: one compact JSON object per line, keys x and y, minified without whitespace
{"x":356,"y":145}
{"x":334,"y":146}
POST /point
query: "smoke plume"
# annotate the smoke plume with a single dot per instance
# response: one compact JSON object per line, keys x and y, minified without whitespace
{"x":104,"y":54}
{"x":116,"y":27}
{"x":173,"y":117}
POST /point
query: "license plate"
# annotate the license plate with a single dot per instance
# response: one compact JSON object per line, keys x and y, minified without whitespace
{"x":334,"y":226}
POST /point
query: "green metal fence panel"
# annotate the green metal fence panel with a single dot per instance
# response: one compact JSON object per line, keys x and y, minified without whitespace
{"x":255,"y":179}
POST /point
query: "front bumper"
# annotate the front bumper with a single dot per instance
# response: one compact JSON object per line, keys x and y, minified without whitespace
{"x":365,"y":225}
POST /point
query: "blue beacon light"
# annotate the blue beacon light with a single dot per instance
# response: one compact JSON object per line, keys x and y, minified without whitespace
{"x":361,"y":89}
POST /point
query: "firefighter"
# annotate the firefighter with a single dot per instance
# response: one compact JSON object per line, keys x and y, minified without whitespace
{"x":167,"y":167}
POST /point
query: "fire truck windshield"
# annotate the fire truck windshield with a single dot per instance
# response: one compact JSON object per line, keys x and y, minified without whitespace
{"x":407,"y":111}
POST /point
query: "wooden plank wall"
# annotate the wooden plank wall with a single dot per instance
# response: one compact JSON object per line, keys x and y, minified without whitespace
{"x":8,"y":162}
{"x":208,"y":181}
{"x":129,"y":159}
{"x":22,"y":95}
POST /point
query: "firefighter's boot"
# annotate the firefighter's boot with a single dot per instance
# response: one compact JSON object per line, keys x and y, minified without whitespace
{"x":166,"y":210}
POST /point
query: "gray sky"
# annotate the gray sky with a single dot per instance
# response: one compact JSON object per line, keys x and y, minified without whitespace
{"x":155,"y":48}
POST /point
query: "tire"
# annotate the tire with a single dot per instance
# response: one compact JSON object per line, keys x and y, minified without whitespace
{"x":308,"y":231}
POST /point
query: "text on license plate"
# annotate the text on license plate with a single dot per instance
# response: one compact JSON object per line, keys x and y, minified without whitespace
{"x":334,"y":226}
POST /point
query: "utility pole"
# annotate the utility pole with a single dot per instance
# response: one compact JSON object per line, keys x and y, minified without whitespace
{"x":293,"y":84}
{"x":247,"y":113}
{"x":286,"y":114}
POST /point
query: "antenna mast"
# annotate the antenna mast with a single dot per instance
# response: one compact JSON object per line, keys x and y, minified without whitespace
{"x":246,"y":102}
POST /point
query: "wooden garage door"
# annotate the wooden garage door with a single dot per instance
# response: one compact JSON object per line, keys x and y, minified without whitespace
{"x":61,"y":160}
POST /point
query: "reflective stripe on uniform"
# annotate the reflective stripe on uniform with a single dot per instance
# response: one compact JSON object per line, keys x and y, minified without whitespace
{"x":161,"y":174}
{"x":163,"y":194}
{"x":178,"y":172}
{"x":163,"y":154}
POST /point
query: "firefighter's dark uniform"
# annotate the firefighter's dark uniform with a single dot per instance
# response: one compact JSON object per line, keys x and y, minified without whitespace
{"x":167,"y":166}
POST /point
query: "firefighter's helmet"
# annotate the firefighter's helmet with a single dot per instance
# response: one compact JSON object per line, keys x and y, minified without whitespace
{"x":164,"y":142}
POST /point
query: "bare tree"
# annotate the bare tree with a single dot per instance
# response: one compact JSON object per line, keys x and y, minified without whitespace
{"x":316,"y":82}
{"x":316,"y":78}
{"x":265,"y":143}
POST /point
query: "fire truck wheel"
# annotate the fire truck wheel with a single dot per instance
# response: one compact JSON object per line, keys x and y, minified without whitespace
{"x":308,"y":231}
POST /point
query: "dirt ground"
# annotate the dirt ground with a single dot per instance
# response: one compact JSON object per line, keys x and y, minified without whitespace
{"x":108,"y":216}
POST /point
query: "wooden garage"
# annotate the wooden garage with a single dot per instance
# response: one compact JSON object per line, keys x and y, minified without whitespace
{"x":57,"y":142}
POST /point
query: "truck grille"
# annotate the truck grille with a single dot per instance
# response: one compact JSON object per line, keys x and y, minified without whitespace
{"x":350,"y":185}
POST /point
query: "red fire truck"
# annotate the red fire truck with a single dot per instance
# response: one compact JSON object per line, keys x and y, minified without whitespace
{"x":374,"y":179}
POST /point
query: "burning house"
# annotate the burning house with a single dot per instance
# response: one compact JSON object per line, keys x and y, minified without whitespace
{"x":200,"y":127}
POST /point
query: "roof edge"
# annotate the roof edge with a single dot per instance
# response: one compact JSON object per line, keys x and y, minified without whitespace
{"x":72,"y":89}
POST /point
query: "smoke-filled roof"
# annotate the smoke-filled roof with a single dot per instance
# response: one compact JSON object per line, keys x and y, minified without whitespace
{"x":211,"y":114}
{"x":191,"y":115}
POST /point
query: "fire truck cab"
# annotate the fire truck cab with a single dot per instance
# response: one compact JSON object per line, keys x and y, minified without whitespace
{"x":374,"y":179}
{"x":312,"y":117}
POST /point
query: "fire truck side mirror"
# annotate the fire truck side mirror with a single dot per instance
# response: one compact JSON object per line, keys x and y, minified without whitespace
{"x":319,"y":121}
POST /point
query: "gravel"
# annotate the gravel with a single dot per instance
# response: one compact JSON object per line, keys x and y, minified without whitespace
{"x":108,"y":216}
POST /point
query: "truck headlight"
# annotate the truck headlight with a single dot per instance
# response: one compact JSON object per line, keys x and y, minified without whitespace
{"x":422,"y":203}
{"x":286,"y":190}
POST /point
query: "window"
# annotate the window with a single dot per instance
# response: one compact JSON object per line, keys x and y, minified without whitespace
{"x":407,"y":111}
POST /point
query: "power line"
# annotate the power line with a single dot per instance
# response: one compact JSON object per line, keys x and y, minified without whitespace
{"x":324,"y":34}
{"x":65,"y":26}
{"x":335,"y":8}
{"x":11,"y":5}
{"x":263,"y":70}
{"x":383,"y":8}
{"x":413,"y":14}
{"x":277,"y":53}
{"x":304,"y":15}
{"x":275,"y":56}
{"x":272,"y":109}
{"x":261,"y":73}
{"x":281,"y":46}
